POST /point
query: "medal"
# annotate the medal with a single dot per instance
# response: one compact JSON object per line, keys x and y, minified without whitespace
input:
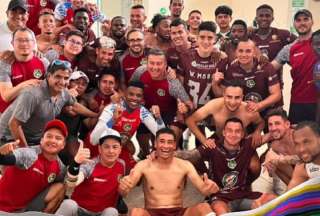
{"x":232,"y":163}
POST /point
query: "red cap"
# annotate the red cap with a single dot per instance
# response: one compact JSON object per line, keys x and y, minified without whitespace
{"x":58,"y":124}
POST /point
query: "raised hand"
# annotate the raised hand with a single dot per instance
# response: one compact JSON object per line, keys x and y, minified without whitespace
{"x":217,"y":77}
{"x":73,"y":91}
{"x":83,"y":155}
{"x":181,"y":107}
{"x":209,"y":186}
{"x":155,"y":110}
{"x":9,"y":147}
{"x":126,"y":183}
{"x":210,"y":143}
{"x":115,"y":97}
{"x":117,"y":113}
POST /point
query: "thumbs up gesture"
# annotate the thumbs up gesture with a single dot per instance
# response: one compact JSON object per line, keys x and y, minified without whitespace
{"x":126,"y":183}
{"x":83,"y":155}
{"x":217,"y":77}
{"x":210,"y":186}
{"x":181,"y":107}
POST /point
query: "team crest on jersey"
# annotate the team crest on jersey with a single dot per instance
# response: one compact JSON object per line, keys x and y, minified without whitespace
{"x":127,"y":127}
{"x":37,"y":73}
{"x":51,"y":177}
{"x":161,"y":92}
{"x":143,"y":61}
{"x":253,"y":96}
{"x":230,"y":179}
{"x":250,"y":83}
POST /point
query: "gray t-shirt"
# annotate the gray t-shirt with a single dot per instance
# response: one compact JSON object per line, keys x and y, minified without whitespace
{"x":34,"y":107}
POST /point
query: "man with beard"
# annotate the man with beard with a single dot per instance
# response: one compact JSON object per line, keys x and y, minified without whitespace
{"x":134,"y":56}
{"x":25,"y":71}
{"x":176,"y":7}
{"x":160,"y":38}
{"x":103,"y":57}
{"x":137,"y":18}
{"x":316,"y":68}
{"x":306,"y":138}
{"x":238,"y":32}
{"x":125,"y":117}
{"x":18,"y":16}
{"x":118,"y":30}
{"x":81,"y":23}
{"x":302,"y":58}
{"x":46,"y":39}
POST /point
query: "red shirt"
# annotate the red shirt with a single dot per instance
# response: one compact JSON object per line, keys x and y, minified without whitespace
{"x":99,"y":190}
{"x":302,"y":61}
{"x":130,"y":63}
{"x":23,"y":71}
{"x":19,"y":186}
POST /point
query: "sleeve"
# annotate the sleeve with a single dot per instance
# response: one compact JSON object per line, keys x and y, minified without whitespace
{"x":25,"y":157}
{"x":176,"y":90}
{"x":5,"y":72}
{"x":26,"y":104}
{"x":51,"y":55}
{"x":105,"y":121}
{"x":138,"y":73}
{"x":45,"y":62}
{"x":87,"y":168}
{"x":272,"y":75}
{"x":283,"y":56}
{"x":205,"y":153}
{"x":60,"y":11}
{"x":69,"y":100}
{"x":148,"y":120}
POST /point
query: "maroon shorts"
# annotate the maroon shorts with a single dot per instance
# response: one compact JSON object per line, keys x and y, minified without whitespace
{"x":166,"y":211}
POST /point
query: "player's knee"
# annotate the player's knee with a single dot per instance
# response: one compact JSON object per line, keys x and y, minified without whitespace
{"x":110,"y":212}
{"x":219,"y":207}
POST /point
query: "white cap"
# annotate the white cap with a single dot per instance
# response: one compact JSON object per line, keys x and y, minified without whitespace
{"x":78,"y":74}
{"x":109,"y":133}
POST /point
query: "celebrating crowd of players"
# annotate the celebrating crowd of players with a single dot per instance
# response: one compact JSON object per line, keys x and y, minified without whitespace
{"x":70,"y":104}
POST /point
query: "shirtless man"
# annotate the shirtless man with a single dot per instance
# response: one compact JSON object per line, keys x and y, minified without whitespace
{"x":164,"y":179}
{"x":231,"y":105}
{"x":306,"y":138}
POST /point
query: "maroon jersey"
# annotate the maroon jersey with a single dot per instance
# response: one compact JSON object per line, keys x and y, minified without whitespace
{"x":173,"y":56}
{"x":197,"y":73}
{"x":230,"y":170}
{"x":256,"y":82}
{"x":88,"y":38}
{"x":130,"y":63}
{"x":230,"y":49}
{"x":19,"y":72}
{"x":99,"y":190}
{"x":31,"y":175}
{"x":275,"y":41}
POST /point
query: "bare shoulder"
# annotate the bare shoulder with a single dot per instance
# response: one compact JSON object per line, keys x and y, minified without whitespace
{"x":143,"y":165}
{"x":183,"y":164}
{"x":215,"y":104}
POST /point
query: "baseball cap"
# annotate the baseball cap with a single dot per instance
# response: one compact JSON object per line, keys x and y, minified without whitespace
{"x":305,"y":12}
{"x":58,"y":124}
{"x":109,"y":133}
{"x":78,"y":74}
{"x":17,"y":3}
{"x":104,"y":42}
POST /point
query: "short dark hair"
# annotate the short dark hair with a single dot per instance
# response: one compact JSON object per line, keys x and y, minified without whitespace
{"x":133,"y":30}
{"x":208,"y":26}
{"x":136,"y":84}
{"x":137,"y":6}
{"x":264,"y":6}
{"x":177,"y":22}
{"x":76,"y":33}
{"x":194,"y":11}
{"x":82,"y":9}
{"x":172,"y":1}
{"x":316,"y":33}
{"x":240,"y":22}
{"x":24,"y":29}
{"x":117,"y":17}
{"x":156,"y":52}
{"x":108,"y":71}
{"x":233,"y":83}
{"x":166,"y":130}
{"x":310,"y":124}
{"x":223,"y":9}
{"x":277,"y":112}
{"x":235,"y":120}
{"x":157,"y":19}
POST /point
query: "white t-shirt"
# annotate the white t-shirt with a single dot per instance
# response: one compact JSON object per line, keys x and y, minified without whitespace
{"x":5,"y":37}
{"x":313,"y":170}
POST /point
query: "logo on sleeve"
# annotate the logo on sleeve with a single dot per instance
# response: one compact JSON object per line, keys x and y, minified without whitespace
{"x":37,"y":73}
{"x":51,"y":177}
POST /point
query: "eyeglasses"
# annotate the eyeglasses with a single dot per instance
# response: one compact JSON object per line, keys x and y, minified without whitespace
{"x":58,"y":62}
{"x":75,"y":42}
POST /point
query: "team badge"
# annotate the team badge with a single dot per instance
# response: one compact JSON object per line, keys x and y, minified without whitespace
{"x":127,"y":127}
{"x":143,"y":61}
{"x":232,"y":163}
{"x":274,"y":37}
{"x":194,"y":64}
{"x":51,"y":177}
{"x":161,"y":92}
{"x":37,"y":73}
{"x":250,"y":83}
{"x":43,"y":3}
{"x":230,"y":179}
{"x":253,"y":96}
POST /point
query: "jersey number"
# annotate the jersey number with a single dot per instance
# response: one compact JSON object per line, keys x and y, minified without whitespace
{"x":194,"y":92}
